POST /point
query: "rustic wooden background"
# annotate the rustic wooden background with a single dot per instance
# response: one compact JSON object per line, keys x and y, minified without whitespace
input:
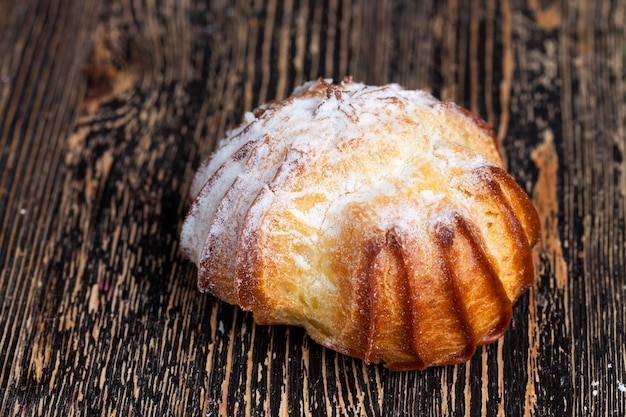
{"x":106,"y":109}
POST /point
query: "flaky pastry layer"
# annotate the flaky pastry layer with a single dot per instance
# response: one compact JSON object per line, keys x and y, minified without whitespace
{"x":379,"y":219}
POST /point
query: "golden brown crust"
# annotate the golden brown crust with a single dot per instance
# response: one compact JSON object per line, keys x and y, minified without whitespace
{"x":379,"y":219}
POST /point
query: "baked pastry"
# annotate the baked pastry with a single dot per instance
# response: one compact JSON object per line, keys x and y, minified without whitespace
{"x":379,"y":219}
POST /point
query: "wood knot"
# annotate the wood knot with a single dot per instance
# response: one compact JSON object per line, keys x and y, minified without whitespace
{"x":113,"y":68}
{"x":99,"y":81}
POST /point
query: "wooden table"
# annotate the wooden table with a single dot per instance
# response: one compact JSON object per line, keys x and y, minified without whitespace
{"x":106,"y":109}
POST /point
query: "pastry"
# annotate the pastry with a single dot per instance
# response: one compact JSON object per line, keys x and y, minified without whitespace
{"x":379,"y":219}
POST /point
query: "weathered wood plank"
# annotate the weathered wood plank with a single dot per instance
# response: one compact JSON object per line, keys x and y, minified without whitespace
{"x":107,"y":108}
{"x":42,"y":49}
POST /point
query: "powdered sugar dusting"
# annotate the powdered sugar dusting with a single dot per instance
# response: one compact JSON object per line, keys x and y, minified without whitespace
{"x":320,"y":116}
{"x":196,"y":226}
{"x":233,"y":141}
{"x":351,"y":143}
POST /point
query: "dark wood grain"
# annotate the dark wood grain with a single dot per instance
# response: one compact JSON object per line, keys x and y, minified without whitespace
{"x":106,"y":109}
